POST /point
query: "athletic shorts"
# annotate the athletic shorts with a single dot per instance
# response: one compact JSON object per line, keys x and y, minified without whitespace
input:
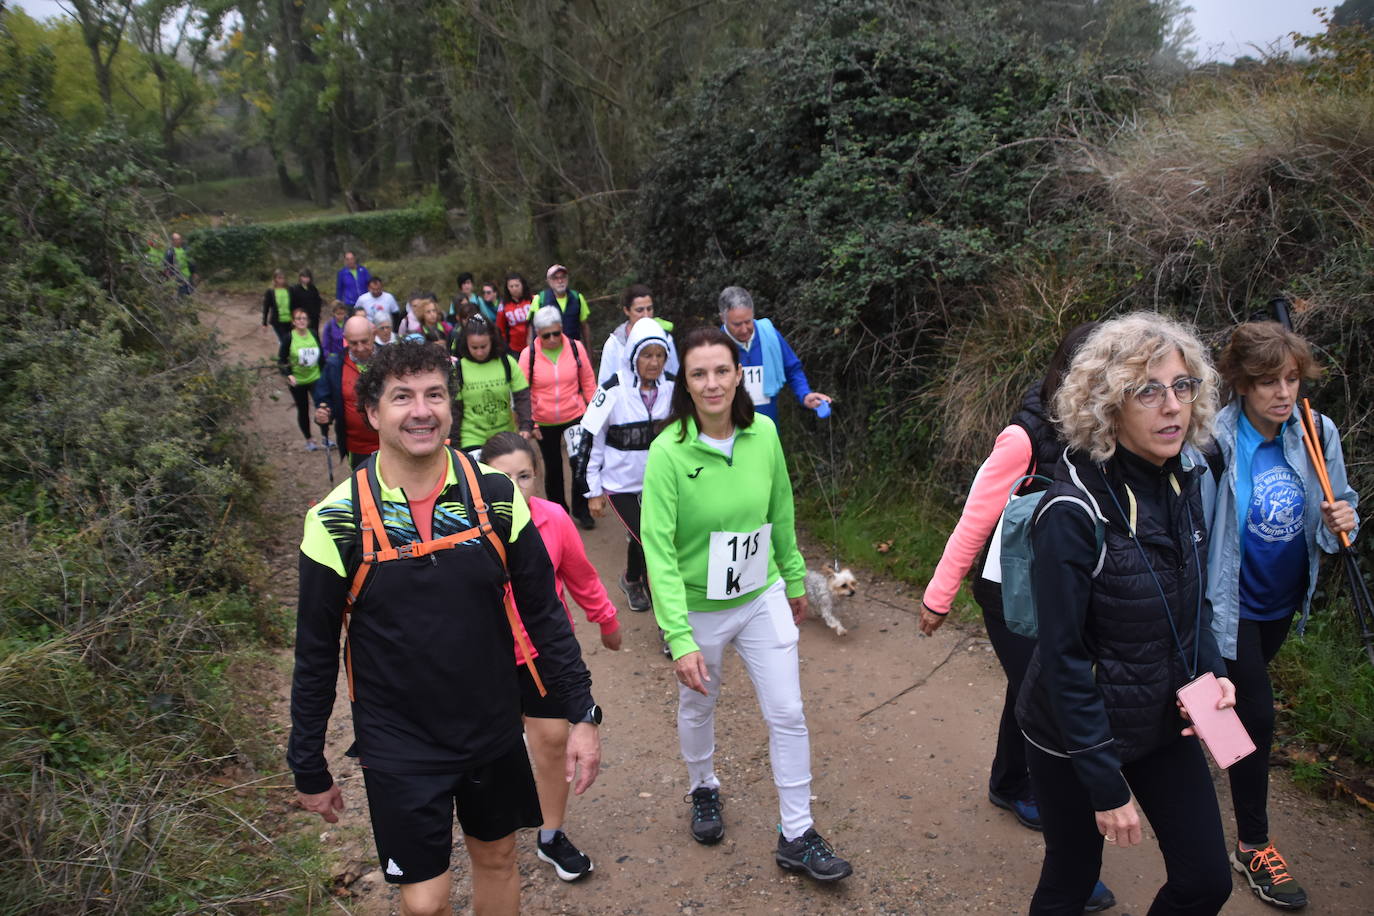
{"x":412,"y":813}
{"x":532,"y":704}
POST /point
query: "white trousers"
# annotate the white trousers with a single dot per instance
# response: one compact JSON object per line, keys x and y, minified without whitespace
{"x":765,"y":637}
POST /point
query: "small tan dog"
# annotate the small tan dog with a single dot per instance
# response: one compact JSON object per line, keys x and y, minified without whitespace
{"x":822,"y":588}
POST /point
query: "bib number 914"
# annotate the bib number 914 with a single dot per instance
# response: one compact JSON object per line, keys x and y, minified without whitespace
{"x":738,"y":562}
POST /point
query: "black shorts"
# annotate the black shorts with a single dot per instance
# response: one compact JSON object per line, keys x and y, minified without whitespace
{"x":532,"y":704}
{"x":412,"y":813}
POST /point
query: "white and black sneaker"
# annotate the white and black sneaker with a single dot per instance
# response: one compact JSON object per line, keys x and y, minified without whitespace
{"x":567,"y":860}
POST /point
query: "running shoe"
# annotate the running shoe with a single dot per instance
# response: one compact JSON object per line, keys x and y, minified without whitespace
{"x":311,"y":446}
{"x":329,"y":443}
{"x":1027,"y":812}
{"x":636,"y":594}
{"x":1102,"y":899}
{"x":1267,"y":873}
{"x":567,"y":860}
{"x":707,"y":824}
{"x":810,"y":853}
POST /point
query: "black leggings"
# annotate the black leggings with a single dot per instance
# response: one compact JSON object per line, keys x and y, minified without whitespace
{"x":1173,"y":788}
{"x":551,"y":448}
{"x":301,"y":395}
{"x":1257,"y":642}
{"x":1008,"y":779}
{"x":626,"y":506}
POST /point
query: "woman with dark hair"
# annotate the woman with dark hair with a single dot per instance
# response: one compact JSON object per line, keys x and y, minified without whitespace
{"x":1269,"y":520}
{"x":305,"y":294}
{"x":1119,"y":586}
{"x":299,"y":359}
{"x":546,"y":725}
{"x":488,"y":386}
{"x":1029,"y":445}
{"x":637,"y":302}
{"x":513,"y":320}
{"x":721,"y":548}
{"x":276,"y":307}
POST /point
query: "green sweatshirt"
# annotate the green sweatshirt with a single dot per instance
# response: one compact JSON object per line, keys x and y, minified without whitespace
{"x":691,"y":490}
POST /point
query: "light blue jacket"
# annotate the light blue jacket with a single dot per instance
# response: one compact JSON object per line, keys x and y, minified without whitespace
{"x":1223,"y":551}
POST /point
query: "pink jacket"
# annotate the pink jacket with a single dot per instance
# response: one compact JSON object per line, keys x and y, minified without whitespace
{"x":573,"y":571}
{"x":987,"y":497}
{"x":559,"y":392}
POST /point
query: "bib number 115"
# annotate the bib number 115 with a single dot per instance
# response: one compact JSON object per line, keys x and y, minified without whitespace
{"x":738,"y":562}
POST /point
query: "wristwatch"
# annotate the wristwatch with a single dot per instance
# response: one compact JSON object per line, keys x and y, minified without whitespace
{"x":592,"y":716}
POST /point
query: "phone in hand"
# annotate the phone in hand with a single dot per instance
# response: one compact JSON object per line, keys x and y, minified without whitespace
{"x":1221,"y":730}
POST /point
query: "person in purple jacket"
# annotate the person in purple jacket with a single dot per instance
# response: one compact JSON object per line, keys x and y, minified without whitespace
{"x":351,"y":281}
{"x":332,"y":337}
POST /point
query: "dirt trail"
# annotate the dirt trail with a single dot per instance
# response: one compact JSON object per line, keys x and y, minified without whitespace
{"x":902,"y":733}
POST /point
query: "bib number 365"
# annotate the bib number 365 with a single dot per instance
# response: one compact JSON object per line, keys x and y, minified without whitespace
{"x":738,"y":562}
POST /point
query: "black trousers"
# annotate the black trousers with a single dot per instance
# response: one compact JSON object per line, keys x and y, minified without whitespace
{"x":1008,"y":779}
{"x":626,"y":506}
{"x":301,"y":395}
{"x":1257,"y":642}
{"x":551,"y":449}
{"x":1173,"y":789}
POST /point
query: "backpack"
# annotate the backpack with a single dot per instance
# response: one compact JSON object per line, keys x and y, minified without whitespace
{"x":458,"y":371}
{"x":376,"y":548}
{"x":1017,"y":556}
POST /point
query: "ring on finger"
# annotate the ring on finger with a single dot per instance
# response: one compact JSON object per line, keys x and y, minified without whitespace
{"x":1109,"y":838}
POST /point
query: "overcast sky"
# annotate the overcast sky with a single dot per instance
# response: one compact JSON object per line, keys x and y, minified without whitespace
{"x":1225,"y":29}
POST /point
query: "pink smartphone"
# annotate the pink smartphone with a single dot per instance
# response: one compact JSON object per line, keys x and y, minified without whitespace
{"x":1221,"y":730}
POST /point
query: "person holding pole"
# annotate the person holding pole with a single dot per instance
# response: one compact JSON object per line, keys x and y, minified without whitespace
{"x":1269,"y":517}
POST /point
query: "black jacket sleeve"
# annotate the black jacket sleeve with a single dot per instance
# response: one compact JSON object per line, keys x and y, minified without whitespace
{"x":1064,"y":541}
{"x":284,"y":356}
{"x":319,"y":618}
{"x":269,"y":305}
{"x":559,"y":662}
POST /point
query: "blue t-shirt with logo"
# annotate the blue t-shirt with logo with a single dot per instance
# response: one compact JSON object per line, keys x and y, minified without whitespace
{"x":1270,"y":502}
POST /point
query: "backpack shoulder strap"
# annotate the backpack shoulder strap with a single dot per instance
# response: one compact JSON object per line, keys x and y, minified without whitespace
{"x":374,"y":540}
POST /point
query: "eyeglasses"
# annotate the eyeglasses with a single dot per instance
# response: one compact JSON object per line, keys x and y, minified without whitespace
{"x":1152,"y":394}
{"x":550,"y":335}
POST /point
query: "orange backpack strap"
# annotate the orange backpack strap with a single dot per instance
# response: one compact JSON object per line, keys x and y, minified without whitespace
{"x":374,"y":541}
{"x":479,"y":508}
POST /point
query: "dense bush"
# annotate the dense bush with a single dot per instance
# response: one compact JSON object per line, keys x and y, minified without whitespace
{"x":255,"y":250}
{"x":125,"y":561}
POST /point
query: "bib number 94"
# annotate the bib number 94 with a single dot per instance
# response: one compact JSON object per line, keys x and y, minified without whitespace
{"x":738,"y":562}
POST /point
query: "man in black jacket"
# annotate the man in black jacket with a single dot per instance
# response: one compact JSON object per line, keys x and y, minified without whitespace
{"x":436,"y":699}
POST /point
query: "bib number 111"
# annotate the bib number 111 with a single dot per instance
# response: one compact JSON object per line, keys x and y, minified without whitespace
{"x":738,"y":562}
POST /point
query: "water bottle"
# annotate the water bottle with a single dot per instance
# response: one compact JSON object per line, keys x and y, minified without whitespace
{"x":822,"y":409}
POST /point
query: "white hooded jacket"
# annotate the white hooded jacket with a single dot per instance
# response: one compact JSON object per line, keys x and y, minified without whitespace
{"x":621,"y":433}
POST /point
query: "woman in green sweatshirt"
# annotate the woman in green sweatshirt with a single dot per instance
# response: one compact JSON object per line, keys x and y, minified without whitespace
{"x":299,"y":360}
{"x":724,"y":568}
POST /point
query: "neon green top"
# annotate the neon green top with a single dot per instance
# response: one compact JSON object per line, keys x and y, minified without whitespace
{"x":283,"y":297}
{"x":304,"y":352}
{"x":486,"y":399}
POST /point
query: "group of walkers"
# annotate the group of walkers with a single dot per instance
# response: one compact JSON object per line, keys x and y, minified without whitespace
{"x":1158,"y":555}
{"x":1174,"y":537}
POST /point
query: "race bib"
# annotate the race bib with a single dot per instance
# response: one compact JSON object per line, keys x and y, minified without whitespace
{"x":307,"y":356}
{"x":738,"y":562}
{"x":753,"y":384}
{"x":597,"y":412}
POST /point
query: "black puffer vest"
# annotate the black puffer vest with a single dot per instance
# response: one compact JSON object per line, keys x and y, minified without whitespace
{"x":1046,"y":446}
{"x":1138,"y":663}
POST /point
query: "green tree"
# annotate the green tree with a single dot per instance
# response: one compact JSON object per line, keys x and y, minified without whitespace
{"x":102,"y":29}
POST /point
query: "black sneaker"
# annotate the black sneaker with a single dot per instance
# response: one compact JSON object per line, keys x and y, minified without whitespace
{"x":567,"y":860}
{"x":1267,"y":874}
{"x":812,"y":854}
{"x":707,"y":825}
{"x":586,"y":521}
{"x":636,"y":594}
{"x":1102,"y":899}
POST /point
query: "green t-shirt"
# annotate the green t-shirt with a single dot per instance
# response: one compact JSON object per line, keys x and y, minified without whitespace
{"x":305,"y":357}
{"x":552,"y":354}
{"x":486,"y":400}
{"x":183,"y":262}
{"x":283,"y":305}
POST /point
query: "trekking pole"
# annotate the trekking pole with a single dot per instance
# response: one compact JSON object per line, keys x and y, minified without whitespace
{"x":328,"y":450}
{"x":1360,"y":601}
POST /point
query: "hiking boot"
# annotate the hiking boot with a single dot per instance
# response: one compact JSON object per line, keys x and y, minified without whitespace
{"x":810,"y":853}
{"x":707,"y":825}
{"x":1268,"y":875}
{"x":567,"y":860}
{"x":1027,"y":812}
{"x":636,"y":594}
{"x":1101,"y":899}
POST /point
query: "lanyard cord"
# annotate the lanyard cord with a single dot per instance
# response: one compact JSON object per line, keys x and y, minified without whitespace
{"x":1197,"y":635}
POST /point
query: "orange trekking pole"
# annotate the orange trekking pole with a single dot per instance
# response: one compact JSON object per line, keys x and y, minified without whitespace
{"x":1361,"y":602}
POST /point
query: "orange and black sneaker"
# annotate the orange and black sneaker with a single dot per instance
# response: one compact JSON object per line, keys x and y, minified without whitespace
{"x":1268,"y":875}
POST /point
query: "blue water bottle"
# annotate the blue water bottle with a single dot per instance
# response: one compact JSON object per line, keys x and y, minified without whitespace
{"x":822,"y":409}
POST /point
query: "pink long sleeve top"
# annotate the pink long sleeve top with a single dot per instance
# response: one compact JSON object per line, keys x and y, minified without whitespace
{"x":987,"y":497}
{"x":572,"y":570}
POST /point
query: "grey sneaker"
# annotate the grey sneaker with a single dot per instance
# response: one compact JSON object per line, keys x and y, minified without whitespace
{"x":810,"y":853}
{"x":707,"y":824}
{"x":636,"y":594}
